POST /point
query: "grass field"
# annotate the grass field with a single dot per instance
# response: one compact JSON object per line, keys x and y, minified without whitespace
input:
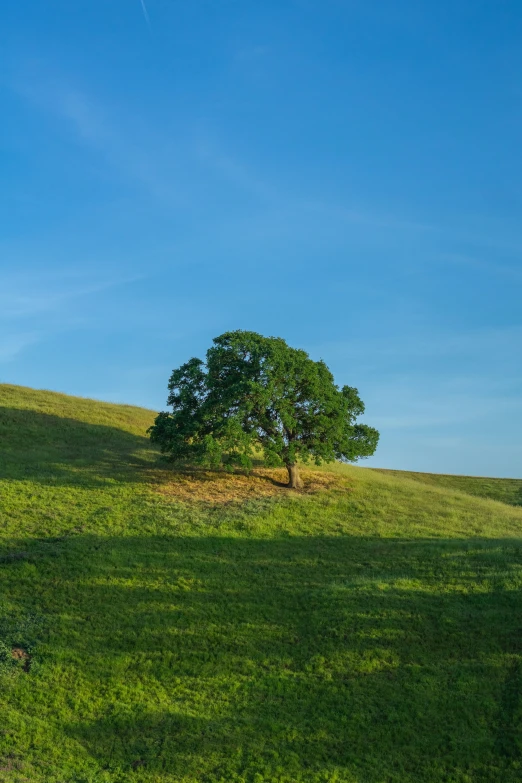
{"x":213,"y":628}
{"x":506,"y":490}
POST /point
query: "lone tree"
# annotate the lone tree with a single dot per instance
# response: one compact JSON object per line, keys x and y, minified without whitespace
{"x":256,"y":393}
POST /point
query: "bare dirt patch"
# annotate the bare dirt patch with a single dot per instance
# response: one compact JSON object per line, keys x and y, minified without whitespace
{"x":216,"y":488}
{"x":19,"y":654}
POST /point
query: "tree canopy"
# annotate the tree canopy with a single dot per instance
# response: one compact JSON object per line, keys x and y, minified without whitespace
{"x":257,"y":393}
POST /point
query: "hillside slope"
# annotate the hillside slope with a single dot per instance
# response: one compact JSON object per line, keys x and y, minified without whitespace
{"x":506,"y":490}
{"x":157,"y":626}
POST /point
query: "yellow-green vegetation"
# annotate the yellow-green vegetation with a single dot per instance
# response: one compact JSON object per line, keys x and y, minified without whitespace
{"x":505,"y":490}
{"x":157,"y":626}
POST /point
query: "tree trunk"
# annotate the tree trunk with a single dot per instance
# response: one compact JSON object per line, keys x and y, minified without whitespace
{"x":294,"y":482}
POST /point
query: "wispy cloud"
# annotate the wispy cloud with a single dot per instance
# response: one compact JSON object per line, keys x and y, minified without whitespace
{"x":35,"y":308}
{"x":185,"y":172}
{"x":252,"y":53}
{"x":13,"y":344}
{"x":21,"y":297}
{"x":292,"y":206}
{"x":503,"y":270}
{"x":145,"y":12}
{"x":136,"y":157}
{"x":494,"y":343}
{"x":367,"y":217}
{"x":417,"y":406}
{"x":445,"y":383}
{"x":216,"y":158}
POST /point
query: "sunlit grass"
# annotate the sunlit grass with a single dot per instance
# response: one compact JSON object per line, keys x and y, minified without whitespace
{"x":505,"y":490}
{"x":367,"y":631}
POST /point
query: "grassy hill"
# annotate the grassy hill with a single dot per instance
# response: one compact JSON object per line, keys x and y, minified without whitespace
{"x":160,"y":626}
{"x":506,"y":490}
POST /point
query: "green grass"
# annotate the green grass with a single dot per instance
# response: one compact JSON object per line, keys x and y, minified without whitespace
{"x":505,"y":490}
{"x":368,"y":633}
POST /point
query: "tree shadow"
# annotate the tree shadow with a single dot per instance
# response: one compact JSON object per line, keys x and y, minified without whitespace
{"x":51,"y":449}
{"x":291,"y":658}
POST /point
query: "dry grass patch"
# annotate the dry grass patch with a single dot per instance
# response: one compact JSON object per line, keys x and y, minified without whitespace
{"x":19,"y":654}
{"x":217,"y":488}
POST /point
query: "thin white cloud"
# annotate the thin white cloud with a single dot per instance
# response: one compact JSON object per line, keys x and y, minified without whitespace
{"x":135,"y":159}
{"x":145,"y":12}
{"x":14,"y":344}
{"x":365,"y":217}
{"x":480,"y":265}
{"x":492,"y":343}
{"x":252,"y":53}
{"x":412,"y":384}
{"x":34,"y":308}
{"x":24,"y":296}
{"x":216,"y":158}
{"x":170,"y":172}
{"x":290,"y":208}
{"x":418,"y":408}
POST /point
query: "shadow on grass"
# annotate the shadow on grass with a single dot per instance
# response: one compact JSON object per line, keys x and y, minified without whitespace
{"x":296,"y":658}
{"x":50,"y":449}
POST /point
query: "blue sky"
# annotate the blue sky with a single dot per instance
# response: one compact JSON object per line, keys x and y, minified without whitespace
{"x":346,"y":175}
